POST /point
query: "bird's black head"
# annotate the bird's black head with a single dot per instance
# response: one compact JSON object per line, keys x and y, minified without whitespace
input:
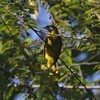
{"x":50,"y":27}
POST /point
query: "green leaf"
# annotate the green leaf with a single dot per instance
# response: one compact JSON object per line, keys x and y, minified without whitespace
{"x":27,"y":42}
{"x":0,"y":46}
{"x":6,"y":46}
{"x":63,"y":15}
{"x":3,"y":80}
{"x":69,"y":52}
{"x":69,"y":60}
{"x":8,"y":93}
{"x":75,"y":7}
{"x":62,"y":78}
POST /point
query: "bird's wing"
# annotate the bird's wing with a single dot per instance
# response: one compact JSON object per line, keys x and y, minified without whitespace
{"x":57,"y":49}
{"x":45,"y":47}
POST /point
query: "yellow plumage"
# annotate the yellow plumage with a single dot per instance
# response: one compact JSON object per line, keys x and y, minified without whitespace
{"x":53,"y":46}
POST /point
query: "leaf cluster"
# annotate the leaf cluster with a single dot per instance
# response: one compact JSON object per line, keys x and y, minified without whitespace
{"x":22,"y":65}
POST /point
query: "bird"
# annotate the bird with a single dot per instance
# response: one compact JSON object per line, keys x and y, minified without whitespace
{"x":53,"y":44}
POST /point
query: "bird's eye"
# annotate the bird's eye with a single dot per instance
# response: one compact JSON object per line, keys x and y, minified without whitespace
{"x":51,"y":28}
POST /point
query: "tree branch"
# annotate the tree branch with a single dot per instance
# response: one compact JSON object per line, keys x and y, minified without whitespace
{"x":85,"y":63}
{"x":70,"y":87}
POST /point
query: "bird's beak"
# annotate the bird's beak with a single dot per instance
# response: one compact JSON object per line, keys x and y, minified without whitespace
{"x":46,"y":27}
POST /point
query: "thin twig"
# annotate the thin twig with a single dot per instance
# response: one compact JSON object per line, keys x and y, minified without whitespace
{"x":85,"y":63}
{"x":70,"y":87}
{"x":92,"y":57}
